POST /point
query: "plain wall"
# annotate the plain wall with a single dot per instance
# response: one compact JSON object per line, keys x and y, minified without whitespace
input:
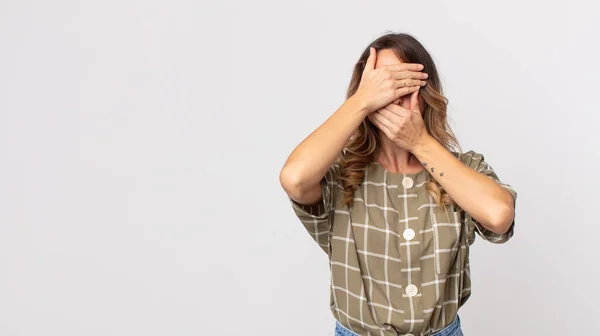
{"x":141,"y":144}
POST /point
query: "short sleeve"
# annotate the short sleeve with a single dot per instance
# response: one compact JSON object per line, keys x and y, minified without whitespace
{"x":317,"y":218}
{"x":477,"y":161}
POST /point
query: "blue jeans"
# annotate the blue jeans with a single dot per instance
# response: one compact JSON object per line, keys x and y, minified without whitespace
{"x":453,"y":329}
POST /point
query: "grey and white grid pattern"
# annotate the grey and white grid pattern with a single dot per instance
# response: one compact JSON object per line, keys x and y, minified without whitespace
{"x":399,"y":263}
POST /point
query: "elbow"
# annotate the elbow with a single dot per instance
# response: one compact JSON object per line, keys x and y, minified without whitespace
{"x":503,"y":219}
{"x":505,"y":215}
{"x":290,"y":182}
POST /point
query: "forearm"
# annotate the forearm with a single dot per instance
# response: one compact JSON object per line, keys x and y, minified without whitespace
{"x":484,"y":199}
{"x":309,"y":161}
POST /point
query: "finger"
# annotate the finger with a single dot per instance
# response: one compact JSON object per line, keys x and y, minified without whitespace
{"x":403,"y":91}
{"x":370,"y":64}
{"x":409,"y":74}
{"x":384,"y":120}
{"x":397,"y":115}
{"x":389,"y":115}
{"x":414,"y":101}
{"x":404,"y":67}
{"x":409,"y":82}
{"x":391,"y":111}
{"x":375,"y":119}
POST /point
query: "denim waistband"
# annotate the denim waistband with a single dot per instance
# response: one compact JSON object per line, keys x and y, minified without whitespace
{"x":453,"y":329}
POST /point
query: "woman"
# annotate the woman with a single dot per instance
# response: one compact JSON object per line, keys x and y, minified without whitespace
{"x":382,"y":191}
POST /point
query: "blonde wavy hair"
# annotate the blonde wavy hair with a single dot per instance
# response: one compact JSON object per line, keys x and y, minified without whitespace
{"x":365,"y":144}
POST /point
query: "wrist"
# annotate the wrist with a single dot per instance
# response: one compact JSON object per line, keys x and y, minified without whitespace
{"x":358,"y":105}
{"x":424,"y":145}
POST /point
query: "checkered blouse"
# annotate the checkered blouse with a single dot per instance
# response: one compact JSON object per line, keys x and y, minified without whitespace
{"x":399,"y":263}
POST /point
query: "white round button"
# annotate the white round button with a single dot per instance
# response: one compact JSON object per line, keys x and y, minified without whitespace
{"x":411,"y":290}
{"x":409,"y":234}
{"x":407,"y":182}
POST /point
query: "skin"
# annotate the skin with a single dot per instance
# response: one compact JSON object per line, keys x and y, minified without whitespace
{"x":404,"y":132}
{"x":388,"y":96}
{"x":307,"y":164}
{"x":393,"y":157}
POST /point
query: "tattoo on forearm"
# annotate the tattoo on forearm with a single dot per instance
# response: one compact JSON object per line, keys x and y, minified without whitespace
{"x":432,"y":168}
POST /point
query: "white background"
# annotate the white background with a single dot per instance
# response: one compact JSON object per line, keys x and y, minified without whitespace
{"x":141,"y":143}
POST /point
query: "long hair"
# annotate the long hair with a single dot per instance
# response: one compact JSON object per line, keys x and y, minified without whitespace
{"x":365,"y":144}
